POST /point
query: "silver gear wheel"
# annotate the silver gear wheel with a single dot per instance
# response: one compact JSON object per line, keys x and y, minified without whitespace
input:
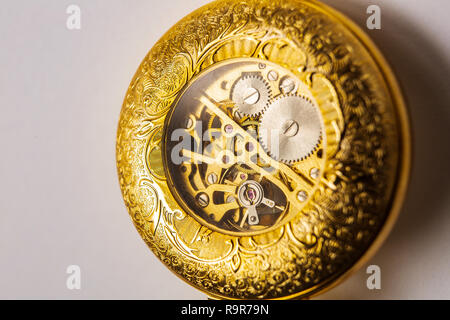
{"x":296,"y":122}
{"x":251,"y":94}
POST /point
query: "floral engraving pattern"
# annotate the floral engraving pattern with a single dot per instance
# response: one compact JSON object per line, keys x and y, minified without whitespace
{"x":353,"y":200}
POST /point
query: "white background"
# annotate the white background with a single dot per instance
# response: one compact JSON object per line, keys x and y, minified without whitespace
{"x":61,"y":93}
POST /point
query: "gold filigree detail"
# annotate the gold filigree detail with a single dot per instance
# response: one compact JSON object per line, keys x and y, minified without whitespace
{"x":354,"y":197}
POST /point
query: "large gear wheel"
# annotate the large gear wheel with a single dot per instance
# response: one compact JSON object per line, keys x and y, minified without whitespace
{"x":291,"y":128}
{"x":251,"y":94}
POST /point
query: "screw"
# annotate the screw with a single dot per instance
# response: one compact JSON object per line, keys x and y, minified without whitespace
{"x":228,"y":128}
{"x":287,"y":85}
{"x":203,"y":200}
{"x":225,"y":159}
{"x":302,"y":196}
{"x":251,"y":96}
{"x":249,"y":147}
{"x":253,"y":219}
{"x":290,"y":128}
{"x":272,"y":75}
{"x":212,"y":178}
{"x":262,"y":66}
{"x":230,"y":199}
{"x":315,"y":173}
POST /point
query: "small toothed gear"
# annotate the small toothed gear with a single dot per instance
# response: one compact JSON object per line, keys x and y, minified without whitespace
{"x":293,"y":125}
{"x":251,"y":94}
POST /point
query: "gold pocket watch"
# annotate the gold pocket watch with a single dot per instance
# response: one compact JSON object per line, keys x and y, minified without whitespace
{"x":263,"y":149}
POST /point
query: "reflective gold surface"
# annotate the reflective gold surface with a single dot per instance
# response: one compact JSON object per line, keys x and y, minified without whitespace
{"x":201,"y":115}
{"x":349,"y":207}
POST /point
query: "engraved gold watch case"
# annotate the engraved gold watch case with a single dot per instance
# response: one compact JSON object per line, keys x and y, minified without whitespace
{"x":263,"y":149}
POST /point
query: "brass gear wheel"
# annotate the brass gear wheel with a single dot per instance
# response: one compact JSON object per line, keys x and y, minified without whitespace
{"x":291,"y":128}
{"x":251,"y":94}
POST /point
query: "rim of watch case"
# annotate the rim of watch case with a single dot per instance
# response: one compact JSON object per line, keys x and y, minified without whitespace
{"x":405,"y":164}
{"x":151,"y":202}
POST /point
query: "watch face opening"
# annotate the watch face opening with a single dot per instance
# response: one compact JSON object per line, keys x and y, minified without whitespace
{"x":244,"y":146}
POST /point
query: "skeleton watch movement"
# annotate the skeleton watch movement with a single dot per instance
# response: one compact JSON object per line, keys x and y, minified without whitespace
{"x":263,"y":149}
